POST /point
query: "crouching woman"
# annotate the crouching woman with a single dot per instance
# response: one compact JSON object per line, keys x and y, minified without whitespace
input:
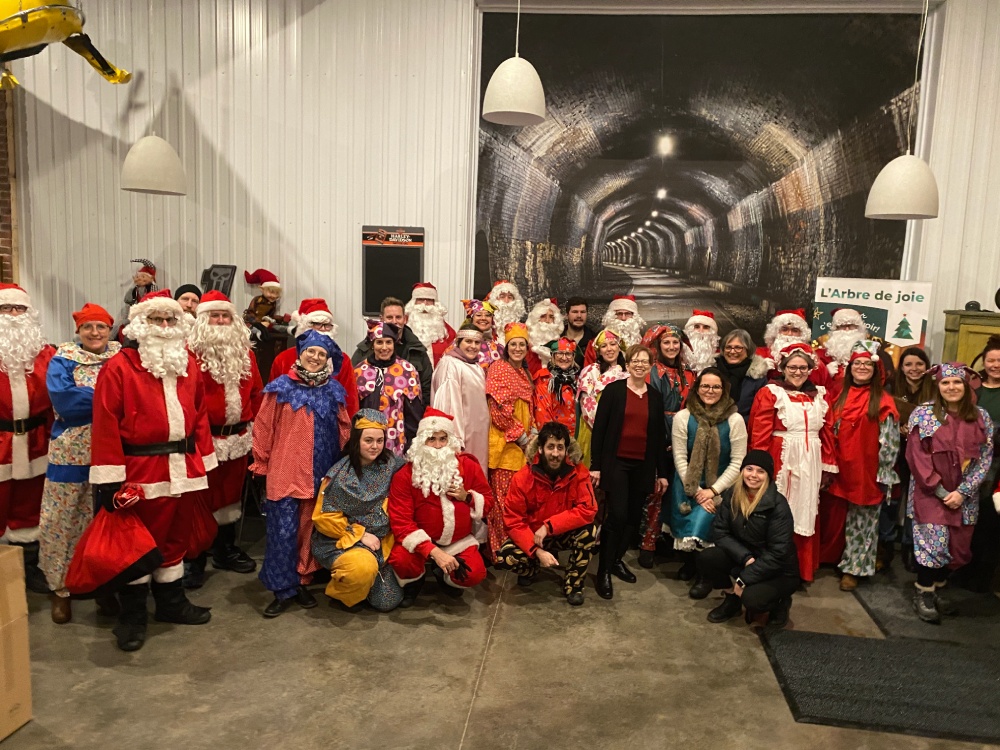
{"x":754,"y":558}
{"x":351,"y":538}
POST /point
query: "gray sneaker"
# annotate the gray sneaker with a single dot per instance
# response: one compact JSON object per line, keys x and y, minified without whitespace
{"x":925,"y":605}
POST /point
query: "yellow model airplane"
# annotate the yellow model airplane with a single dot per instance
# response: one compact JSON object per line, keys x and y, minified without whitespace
{"x":27,"y":28}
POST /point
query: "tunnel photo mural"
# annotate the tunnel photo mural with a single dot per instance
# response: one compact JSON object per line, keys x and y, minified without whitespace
{"x":711,"y":162}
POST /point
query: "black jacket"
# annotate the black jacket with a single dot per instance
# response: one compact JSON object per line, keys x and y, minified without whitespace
{"x":608,"y":423}
{"x":582,"y":344}
{"x":766,"y":536}
{"x":409,"y":349}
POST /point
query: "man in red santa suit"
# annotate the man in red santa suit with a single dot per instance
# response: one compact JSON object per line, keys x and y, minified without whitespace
{"x":545,"y":325}
{"x":437,"y":503}
{"x":621,"y":318}
{"x":220,"y":342}
{"x":834,"y":349}
{"x":425,"y":317}
{"x":703,"y":341}
{"x":25,"y":423}
{"x":787,"y":327}
{"x":315,"y":314}
{"x":151,"y":431}
{"x":508,"y":307}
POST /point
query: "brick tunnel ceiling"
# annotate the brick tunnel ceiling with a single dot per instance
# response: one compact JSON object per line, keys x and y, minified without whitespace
{"x":742,"y":98}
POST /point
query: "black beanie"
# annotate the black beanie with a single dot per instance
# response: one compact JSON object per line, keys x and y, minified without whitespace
{"x":185,"y":288}
{"x":759,"y":458}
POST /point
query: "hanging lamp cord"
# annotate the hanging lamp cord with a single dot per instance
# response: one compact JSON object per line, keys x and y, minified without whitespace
{"x":517,"y":34}
{"x":916,"y":75}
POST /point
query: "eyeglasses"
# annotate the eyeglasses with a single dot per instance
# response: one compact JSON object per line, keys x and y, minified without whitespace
{"x":642,"y":364}
{"x":156,"y":320}
{"x":711,"y":388}
{"x":735,"y":348}
{"x":322,"y":326}
{"x":797,"y":368}
{"x":13,"y":308}
{"x":862,"y":364}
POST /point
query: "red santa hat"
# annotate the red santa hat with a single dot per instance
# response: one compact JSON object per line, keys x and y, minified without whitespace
{"x":798,"y":347}
{"x":12,"y":294}
{"x":706,"y":317}
{"x":795,"y":318}
{"x":91,"y":313}
{"x":147,"y":266}
{"x":502,"y":286}
{"x":435,"y":420}
{"x":214,"y":300}
{"x":312,"y":310}
{"x":624,"y":302}
{"x":262,"y":278}
{"x":845,"y":316}
{"x":424,"y":290}
{"x":160,"y":301}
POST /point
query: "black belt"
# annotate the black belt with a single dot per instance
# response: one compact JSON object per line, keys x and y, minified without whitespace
{"x":22,"y":426}
{"x":229,"y":429}
{"x":160,"y":449}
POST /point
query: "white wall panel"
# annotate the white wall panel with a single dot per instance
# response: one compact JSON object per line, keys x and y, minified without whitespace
{"x":959,"y":250}
{"x":297,"y":122}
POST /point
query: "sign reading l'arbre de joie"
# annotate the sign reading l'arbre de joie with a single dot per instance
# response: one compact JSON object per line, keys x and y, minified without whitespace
{"x":896,"y":311}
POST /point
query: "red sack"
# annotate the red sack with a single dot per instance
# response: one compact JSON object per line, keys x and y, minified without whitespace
{"x":115,"y":548}
{"x":202,"y":525}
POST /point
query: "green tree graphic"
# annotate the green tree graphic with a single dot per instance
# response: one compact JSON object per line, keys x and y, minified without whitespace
{"x":903,"y":329}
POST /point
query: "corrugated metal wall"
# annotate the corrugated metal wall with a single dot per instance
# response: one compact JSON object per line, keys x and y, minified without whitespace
{"x":297,"y":121}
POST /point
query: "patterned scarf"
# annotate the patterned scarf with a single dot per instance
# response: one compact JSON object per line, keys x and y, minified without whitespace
{"x":562,"y":378}
{"x":311,"y":378}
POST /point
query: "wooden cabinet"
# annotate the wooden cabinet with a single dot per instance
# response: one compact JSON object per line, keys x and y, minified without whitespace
{"x":966,"y":332}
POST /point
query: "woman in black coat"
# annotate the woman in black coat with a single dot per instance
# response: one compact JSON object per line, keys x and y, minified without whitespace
{"x":754,"y":546}
{"x":628,"y":460}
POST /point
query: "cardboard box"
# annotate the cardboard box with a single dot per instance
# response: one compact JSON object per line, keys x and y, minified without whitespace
{"x":15,"y":666}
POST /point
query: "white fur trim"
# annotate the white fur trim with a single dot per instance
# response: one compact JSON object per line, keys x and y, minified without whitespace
{"x":205,"y":307}
{"x":478,"y":503}
{"x":175,"y":487}
{"x":140,"y":581}
{"x":228,"y":447}
{"x":624,"y":304}
{"x":107,"y":474}
{"x":436,"y":424}
{"x":169,"y":574}
{"x":303,"y":323}
{"x":271,"y":285}
{"x":20,"y":409}
{"x":161,"y":304}
{"x":501,"y":288}
{"x":414,"y":539}
{"x":996,"y":501}
{"x":448,"y":520}
{"x":211,"y":461}
{"x":234,"y":402}
{"x":227,"y":515}
{"x":831,"y":469}
{"x":847,"y":315}
{"x":457,"y":548}
{"x":36,"y":467}
{"x":424,"y":292}
{"x":22,"y":536}
{"x":702,"y":319}
{"x":404,"y":581}
{"x":14,"y":297}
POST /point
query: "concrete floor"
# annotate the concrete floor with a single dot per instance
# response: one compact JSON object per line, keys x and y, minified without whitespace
{"x":503,"y":668}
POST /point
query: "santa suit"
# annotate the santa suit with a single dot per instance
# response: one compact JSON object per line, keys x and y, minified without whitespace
{"x":345,"y":376}
{"x":796,"y":428}
{"x":439,"y":347}
{"x":133,"y":408}
{"x":24,"y":452}
{"x":421,"y":523}
{"x":819,"y":376}
{"x":232,"y":437}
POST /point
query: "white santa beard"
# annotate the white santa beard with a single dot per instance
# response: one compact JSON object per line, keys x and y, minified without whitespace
{"x":224,"y":353}
{"x":702,"y":352}
{"x":163,"y":351}
{"x":542,"y":333}
{"x":629,"y":331}
{"x":840,"y":343}
{"x":21,"y":340}
{"x":506,"y":312}
{"x":783,"y":340}
{"x":435,"y":470}
{"x":427,"y":322}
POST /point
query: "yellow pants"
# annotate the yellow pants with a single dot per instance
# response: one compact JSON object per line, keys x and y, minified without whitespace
{"x":352,"y":576}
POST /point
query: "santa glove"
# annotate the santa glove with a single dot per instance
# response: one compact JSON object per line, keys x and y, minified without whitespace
{"x":833,"y":368}
{"x":104,"y":496}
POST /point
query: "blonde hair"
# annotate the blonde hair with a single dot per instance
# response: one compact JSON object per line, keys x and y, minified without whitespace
{"x":743,"y":503}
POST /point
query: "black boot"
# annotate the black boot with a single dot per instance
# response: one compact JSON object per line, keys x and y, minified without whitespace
{"x":227,"y":556}
{"x":194,"y":572}
{"x":108,"y":605}
{"x":410,"y":592}
{"x":731,"y":607}
{"x":453,"y":591}
{"x":131,"y":628}
{"x":689,"y":567}
{"x":621,"y":571}
{"x":605,"y":590}
{"x":779,"y":613}
{"x":702,"y":588}
{"x":34,"y":578}
{"x":646,"y":558}
{"x":172,"y":605}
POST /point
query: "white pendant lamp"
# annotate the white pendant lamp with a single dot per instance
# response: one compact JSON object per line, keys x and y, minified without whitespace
{"x":905,"y":188}
{"x":152,"y":166}
{"x":514,"y":95}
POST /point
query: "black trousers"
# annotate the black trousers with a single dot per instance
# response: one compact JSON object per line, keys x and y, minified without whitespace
{"x":625,"y":496}
{"x":716,"y":566}
{"x":985,"y":542}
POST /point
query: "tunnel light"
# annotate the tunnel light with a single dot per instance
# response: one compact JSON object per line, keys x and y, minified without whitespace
{"x":632,"y":235}
{"x":655,"y":214}
{"x":661,"y":193}
{"x":905,"y":188}
{"x":649,"y":223}
{"x":639,"y":230}
{"x":665,"y":145}
{"x":514,"y":95}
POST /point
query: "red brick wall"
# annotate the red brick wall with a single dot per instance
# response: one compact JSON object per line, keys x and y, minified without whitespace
{"x":8,"y":235}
